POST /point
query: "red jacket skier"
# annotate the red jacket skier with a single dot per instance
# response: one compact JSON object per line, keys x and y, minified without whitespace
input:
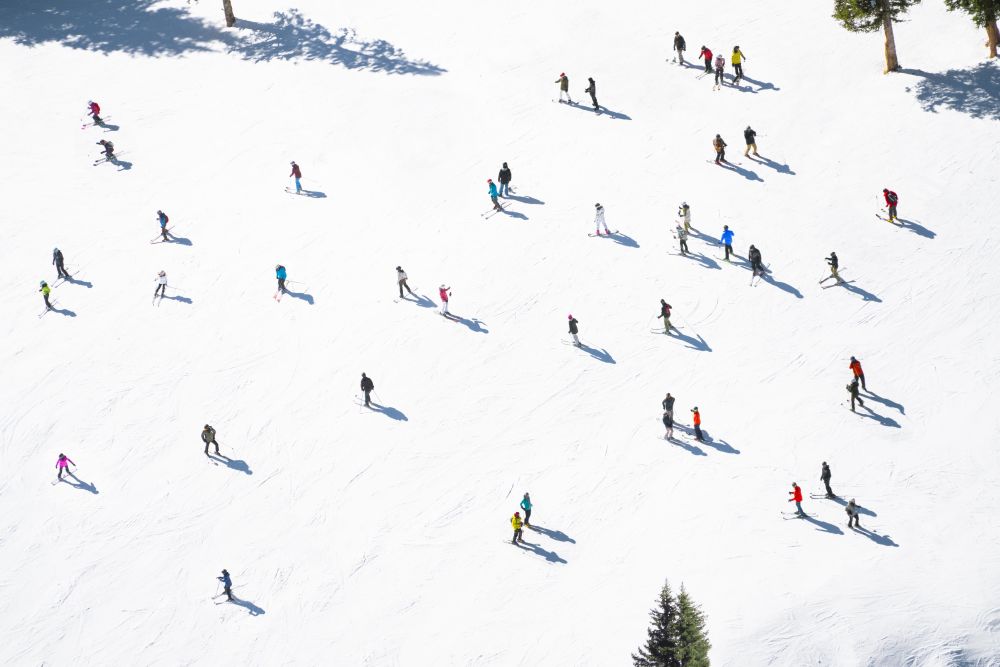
{"x":444,"y":292}
{"x":95,"y":111}
{"x":297,"y":174}
{"x":891,"y":199}
{"x":859,"y":373}
{"x":706,"y":53}
{"x":796,"y":497}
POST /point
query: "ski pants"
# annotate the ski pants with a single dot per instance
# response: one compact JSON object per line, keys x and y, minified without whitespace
{"x":719,"y":78}
{"x":834,"y":274}
{"x":402,"y":284}
{"x":593,"y":98}
{"x":757,"y":269}
{"x":680,"y":56}
{"x":720,"y":154}
{"x":684,"y":246}
{"x":46,"y":298}
{"x":708,"y":65}
{"x":161,"y":290}
{"x":798,"y":507}
{"x":229,"y":593}
{"x":211,"y":442}
{"x":892,"y":211}
{"x":697,"y":433}
{"x":368,"y":399}
{"x":668,"y":423}
{"x":527,"y":517}
{"x":281,"y":285}
{"x":566,"y":93}
{"x":504,"y":189}
{"x":517,"y":537}
{"x":861,"y":379}
{"x":749,"y":146}
{"x":853,"y":519}
{"x":61,"y":271}
{"x":738,"y":68}
{"x":666,"y":325}
{"x":298,"y":184}
{"x":163,"y":231}
{"x":496,"y":204}
{"x":829,"y":491}
{"x":729,"y":251}
{"x":576,"y":340}
{"x":858,"y":399}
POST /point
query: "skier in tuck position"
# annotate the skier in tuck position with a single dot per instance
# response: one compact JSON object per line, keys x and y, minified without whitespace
{"x":94,"y":111}
{"x":825,"y":475}
{"x":504,"y":176}
{"x":834,"y":265}
{"x":796,"y":497}
{"x":706,"y":53}
{"x":592,"y":89}
{"x":162,"y":218}
{"x":891,"y":199}
{"x":697,"y":424}
{"x":563,"y":82}
{"x":297,"y":175}
{"x":227,"y":584}
{"x":401,"y":282}
{"x":161,"y":284}
{"x":682,"y":238}
{"x":445,"y":294}
{"x":751,"y":138}
{"x":526,"y":506}
{"x":859,"y":373}
{"x":494,"y":194}
{"x":679,"y":46}
{"x":665,"y":314}
{"x":727,"y":240}
{"x":574,"y":329}
{"x":44,"y":288}
{"x":57,"y":259}
{"x":368,"y":387}
{"x":720,"y":69}
{"x":599,"y":219}
{"x":516,"y":524}
{"x":282,"y":275}
{"x":852,"y":389}
{"x":62,"y":464}
{"x":756,"y":263}
{"x":853,"y":514}
{"x":737,"y":60}
{"x":208,"y":437}
{"x":720,"y":149}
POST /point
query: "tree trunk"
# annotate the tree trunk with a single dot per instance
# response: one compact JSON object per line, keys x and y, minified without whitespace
{"x":891,"y":62}
{"x":992,"y":36}
{"x":227,"y":7}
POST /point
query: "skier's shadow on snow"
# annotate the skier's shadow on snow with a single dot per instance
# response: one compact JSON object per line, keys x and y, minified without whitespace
{"x":761,"y":85}
{"x":81,"y":283}
{"x":694,"y":343}
{"x":785,"y":287}
{"x":181,"y":299}
{"x":748,"y":174}
{"x":301,"y":295}
{"x":623,"y":239}
{"x":777,"y":166}
{"x":550,"y":556}
{"x":863,"y":293}
{"x":720,"y":445}
{"x":313,"y":194}
{"x":110,"y":127}
{"x":232,"y":464}
{"x":704,"y":259}
{"x":694,"y":449}
{"x":884,"y":421}
{"x":885,"y":401}
{"x":556,"y":535}
{"x":861,"y":510}
{"x":80,"y":484}
{"x":515,"y":214}
{"x":525,"y":199}
{"x":123,"y":165}
{"x":251,"y":608}
{"x":916,"y":228}
{"x":823,"y":525}
{"x":617,"y":115}
{"x":66,"y":312}
{"x":391,"y":413}
{"x":600,"y":355}
{"x":475,"y":325}
{"x":180,"y":240}
{"x":884,"y":540}
{"x":422,"y":301}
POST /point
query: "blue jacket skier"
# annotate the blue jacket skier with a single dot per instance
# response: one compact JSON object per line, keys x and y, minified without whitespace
{"x":227,"y":584}
{"x":163,"y":220}
{"x":281,"y":274}
{"x":727,"y":240}
{"x":526,"y":506}
{"x":494,"y":194}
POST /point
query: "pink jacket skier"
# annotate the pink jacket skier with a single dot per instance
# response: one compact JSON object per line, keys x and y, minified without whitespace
{"x":444,"y":293}
{"x":63,"y":465}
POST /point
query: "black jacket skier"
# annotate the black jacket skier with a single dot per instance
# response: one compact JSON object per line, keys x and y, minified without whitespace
{"x":109,"y":148}
{"x":852,"y":389}
{"x":367,"y":386}
{"x":668,"y":404}
{"x":679,"y":46}
{"x":750,"y":136}
{"x":665,"y":314}
{"x":825,"y":476}
{"x":208,"y":437}
{"x":574,"y":330}
{"x":504,"y":175}
{"x":852,"y":515}
{"x":834,"y":265}
{"x":755,"y":261}
{"x":592,"y":89}
{"x":57,"y":259}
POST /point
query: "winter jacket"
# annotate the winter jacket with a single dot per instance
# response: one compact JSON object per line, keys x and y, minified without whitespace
{"x":891,"y":198}
{"x":851,"y":509}
{"x":208,"y":435}
{"x":57,"y":257}
{"x":755,"y":256}
{"x":719,"y":144}
{"x":280,"y":273}
{"x":720,"y":62}
{"x":750,"y":136}
{"x":592,"y":88}
{"x":516,"y":522}
{"x":684,"y":212}
{"x":572,"y":326}
{"x":226,"y":581}
{"x":681,"y":234}
{"x":493,"y":190}
{"x":738,"y":57}
{"x":856,"y":367}
{"x":162,"y":279}
{"x":706,"y":54}
{"x":45,"y":289}
{"x":367,"y":384}
{"x":443,"y":293}
{"x":64,"y":462}
{"x":400,"y":276}
{"x":296,"y":172}
{"x":679,"y":44}
{"x":504,"y":175}
{"x":95,"y":108}
{"x":825,"y":475}
{"x":797,"y":494}
{"x":525,"y":504}
{"x":697,"y":418}
{"x":727,"y":237}
{"x":563,"y":82}
{"x":668,"y":403}
{"x":852,"y":388}
{"x":163,"y":219}
{"x":599,"y":216}
{"x":664,"y":311}
{"x":832,"y":260}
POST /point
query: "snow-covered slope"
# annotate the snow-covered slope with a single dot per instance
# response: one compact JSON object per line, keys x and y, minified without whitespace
{"x":378,"y":537}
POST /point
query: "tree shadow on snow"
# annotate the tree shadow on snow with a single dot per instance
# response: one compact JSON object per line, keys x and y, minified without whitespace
{"x":974,"y":91}
{"x":693,"y":343}
{"x":148,"y":28}
{"x":391,"y":413}
{"x":251,"y":608}
{"x":884,"y":421}
{"x":916,"y":228}
{"x":80,"y":484}
{"x":81,"y":283}
{"x":556,"y":535}
{"x":707,"y":261}
{"x":232,"y":464}
{"x":475,"y":325}
{"x":623,"y":239}
{"x":600,"y":355}
{"x":885,"y":401}
{"x":777,"y":166}
{"x":301,"y":295}
{"x":785,"y":287}
{"x":550,"y":556}
{"x":884,"y":540}
{"x":748,"y":174}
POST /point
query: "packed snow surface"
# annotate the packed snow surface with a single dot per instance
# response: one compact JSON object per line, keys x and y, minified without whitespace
{"x":381,"y":536}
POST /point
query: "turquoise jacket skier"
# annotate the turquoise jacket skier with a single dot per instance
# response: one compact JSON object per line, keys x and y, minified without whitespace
{"x":493,"y":190}
{"x":281,"y":273}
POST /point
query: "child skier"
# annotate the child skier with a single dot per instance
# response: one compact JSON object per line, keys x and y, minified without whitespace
{"x":720,"y":68}
{"x":891,"y":199}
{"x":796,"y":497}
{"x":62,"y":464}
{"x":852,"y":389}
{"x":401,"y":282}
{"x":297,"y":175}
{"x":563,"y":82}
{"x":682,"y":237}
{"x":599,"y":219}
{"x":161,"y":285}
{"x":859,"y":373}
{"x":281,"y":274}
{"x":727,"y":240}
{"x":494,"y":194}
{"x":853,"y":515}
{"x":109,"y":149}
{"x":516,"y":523}
{"x":227,"y":584}
{"x":208,"y":437}
{"x":697,"y":424}
{"x":57,"y":259}
{"x":44,"y":288}
{"x":526,"y":506}
{"x":574,"y":329}
{"x":162,"y":218}
{"x":94,"y":111}
{"x":720,"y":149}
{"x":756,"y":263}
{"x":665,"y":314}
{"x":444,"y":293}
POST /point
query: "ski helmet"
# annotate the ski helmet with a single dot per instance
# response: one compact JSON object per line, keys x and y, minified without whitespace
{"x":885,"y":189}
{"x":55,"y":250}
{"x":489,"y":180}
{"x":399,"y":268}
{"x":41,"y":284}
{"x":571,"y":316}
{"x":597,"y":205}
{"x":517,"y":514}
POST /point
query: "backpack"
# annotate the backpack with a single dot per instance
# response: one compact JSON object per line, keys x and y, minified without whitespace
{"x":893,"y":198}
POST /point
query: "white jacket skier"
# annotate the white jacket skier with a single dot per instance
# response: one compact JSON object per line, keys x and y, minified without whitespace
{"x":599,"y":220}
{"x":684,"y":213}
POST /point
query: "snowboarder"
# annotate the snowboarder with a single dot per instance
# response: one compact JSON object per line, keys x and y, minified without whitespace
{"x":281,"y":274}
{"x":859,"y":373}
{"x":796,"y":497}
{"x":720,"y":149}
{"x":697,"y":424}
{"x":109,"y":149}
{"x":599,"y":219}
{"x":367,"y":386}
{"x":682,"y":238}
{"x":756,"y":265}
{"x":94,"y":111}
{"x":679,"y":46}
{"x":526,"y":506}
{"x":161,"y":285}
{"x":574,"y":329}
{"x":401,"y":281}
{"x":504,"y":177}
{"x":208,"y":437}
{"x":44,"y":288}
{"x":297,"y":174}
{"x":227,"y":584}
{"x":592,"y":89}
{"x":720,"y":68}
{"x":494,"y":194}
{"x":853,"y":514}
{"x":891,"y":199}
{"x":57,"y":259}
{"x":825,"y":476}
{"x":62,"y":464}
{"x":706,"y":53}
{"x":445,"y":294}
{"x":852,"y":389}
{"x":162,"y":218}
{"x":665,"y":314}
{"x":727,"y":240}
{"x":516,"y":523}
{"x":684,"y":213}
{"x":834,"y":264}
{"x":737,"y":61}
{"x":563,"y":82}
{"x":668,"y":424}
{"x":751,"y":138}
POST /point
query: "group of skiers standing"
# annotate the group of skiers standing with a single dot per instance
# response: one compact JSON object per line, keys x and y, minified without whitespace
{"x":852,"y":509}
{"x":591,"y":90}
{"x":517,"y":523}
{"x":668,"y":419}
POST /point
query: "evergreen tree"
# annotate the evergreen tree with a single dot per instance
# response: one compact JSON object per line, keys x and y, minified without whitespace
{"x":984,"y":14}
{"x":692,"y":638}
{"x":869,"y":16}
{"x":661,"y":643}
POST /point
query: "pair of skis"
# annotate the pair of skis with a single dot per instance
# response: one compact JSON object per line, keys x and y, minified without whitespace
{"x":93,"y":124}
{"x":608,"y":234}
{"x":493,"y":211}
{"x":159,"y":238}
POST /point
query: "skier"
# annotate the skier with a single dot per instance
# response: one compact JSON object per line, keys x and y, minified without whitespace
{"x":891,"y":199}
{"x":494,"y":194}
{"x":281,"y":274}
{"x":297,"y":174}
{"x":737,"y":61}
{"x":516,"y":523}
{"x":756,"y":265}
{"x":720,"y":149}
{"x":825,"y":476}
{"x":94,"y":111}
{"x":401,"y":281}
{"x":853,"y":514}
{"x":859,"y":373}
{"x":57,"y":259}
{"x":679,"y":46}
{"x":504,"y":177}
{"x":727,"y":240}
{"x":109,"y":149}
{"x":684,"y":213}
{"x":44,"y":288}
{"x":445,"y":294}
{"x":163,"y":220}
{"x":834,"y":263}
{"x":599,"y":219}
{"x":720,"y":68}
{"x":526,"y":506}
{"x":62,"y":464}
{"x":796,"y":497}
{"x":668,"y":424}
{"x":367,"y":386}
{"x":161,"y":287}
{"x":751,"y":138}
{"x":563,"y":82}
{"x":682,"y":237}
{"x":706,"y":53}
{"x":852,"y":389}
{"x":668,"y":405}
{"x":208,"y":437}
{"x":665,"y":314}
{"x":227,"y":584}
{"x":592,"y":89}
{"x":574,"y":329}
{"x":697,"y":425}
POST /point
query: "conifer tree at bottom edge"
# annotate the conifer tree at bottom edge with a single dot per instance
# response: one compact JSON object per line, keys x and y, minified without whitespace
{"x":676,"y":636}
